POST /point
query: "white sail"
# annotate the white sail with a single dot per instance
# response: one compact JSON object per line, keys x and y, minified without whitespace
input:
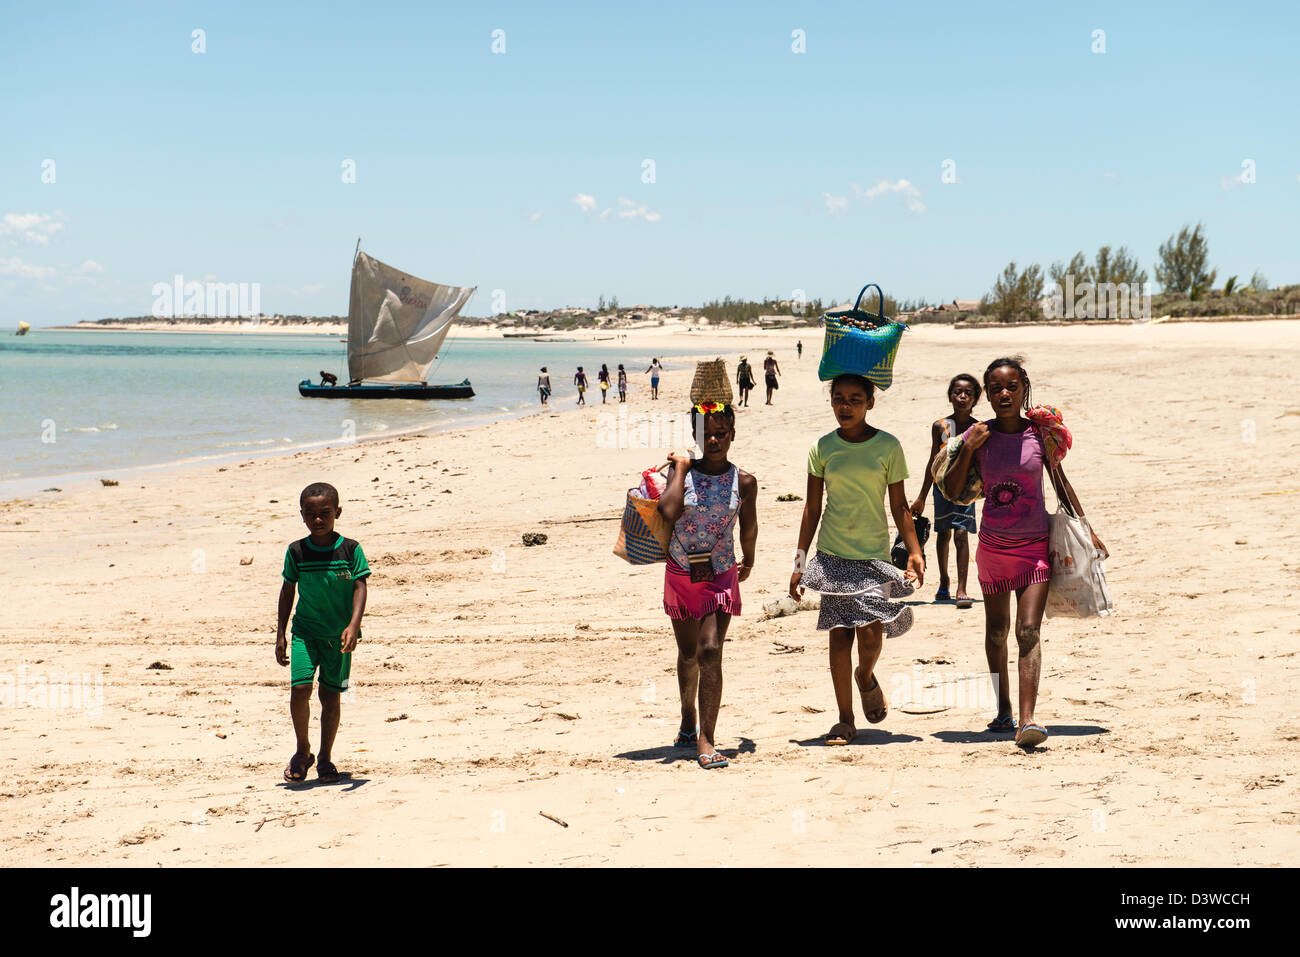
{"x":397,"y":322}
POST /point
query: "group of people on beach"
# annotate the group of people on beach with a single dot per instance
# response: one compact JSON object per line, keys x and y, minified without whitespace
{"x":853,"y":471}
{"x":744,"y":380}
{"x":603,"y":377}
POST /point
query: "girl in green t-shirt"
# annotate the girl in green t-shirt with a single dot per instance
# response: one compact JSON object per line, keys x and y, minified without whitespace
{"x":856,"y":466}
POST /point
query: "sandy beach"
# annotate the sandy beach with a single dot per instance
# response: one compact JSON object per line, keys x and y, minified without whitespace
{"x":497,"y":682}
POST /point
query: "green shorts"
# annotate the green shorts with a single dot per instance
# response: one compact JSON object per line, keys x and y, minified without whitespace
{"x":308,"y":654}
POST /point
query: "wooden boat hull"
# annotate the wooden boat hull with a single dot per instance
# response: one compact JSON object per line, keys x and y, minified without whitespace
{"x":308,"y":389}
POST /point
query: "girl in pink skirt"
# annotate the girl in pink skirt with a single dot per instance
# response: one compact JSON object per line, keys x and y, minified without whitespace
{"x":703,"y":499}
{"x":1011,"y":454}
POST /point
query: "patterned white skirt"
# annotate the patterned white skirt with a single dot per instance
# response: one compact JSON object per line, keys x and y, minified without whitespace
{"x":858,"y":592}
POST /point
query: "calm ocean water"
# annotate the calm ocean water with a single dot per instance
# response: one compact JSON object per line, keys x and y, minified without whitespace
{"x":95,"y":402}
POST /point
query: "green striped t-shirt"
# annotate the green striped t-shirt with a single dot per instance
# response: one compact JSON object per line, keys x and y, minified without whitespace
{"x":324,"y":577}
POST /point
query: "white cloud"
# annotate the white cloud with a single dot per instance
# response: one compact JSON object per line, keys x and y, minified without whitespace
{"x":13,"y":266}
{"x":534,"y":217}
{"x":34,"y":228}
{"x":585,"y":203}
{"x":631,"y":210}
{"x":911,"y":195}
{"x":836,"y":204}
{"x":89,"y":266}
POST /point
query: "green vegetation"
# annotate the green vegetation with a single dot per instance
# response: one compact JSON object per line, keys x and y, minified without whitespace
{"x":1016,"y":295}
{"x":1183,"y":259}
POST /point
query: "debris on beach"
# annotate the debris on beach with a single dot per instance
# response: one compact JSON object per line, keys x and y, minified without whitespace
{"x":221,"y":734}
{"x":552,"y":817}
{"x":534,"y":538}
{"x":785,"y":605}
{"x":159,"y":666}
{"x":401,"y":717}
{"x":246,"y":560}
{"x":109,"y":482}
{"x":783,"y":649}
{"x":51,"y":490}
{"x":789,"y":497}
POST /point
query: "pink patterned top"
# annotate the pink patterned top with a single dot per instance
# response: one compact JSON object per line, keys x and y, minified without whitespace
{"x":709,"y":519}
{"x":1012,"y":468}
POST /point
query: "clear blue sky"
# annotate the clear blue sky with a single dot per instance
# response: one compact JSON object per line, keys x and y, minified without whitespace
{"x":774,"y":170}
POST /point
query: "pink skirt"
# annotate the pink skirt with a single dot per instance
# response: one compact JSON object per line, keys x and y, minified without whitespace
{"x":1009,"y":564}
{"x":684,"y":598}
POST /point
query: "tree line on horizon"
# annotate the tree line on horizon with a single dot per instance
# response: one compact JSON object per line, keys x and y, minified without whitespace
{"x":1182,"y":270}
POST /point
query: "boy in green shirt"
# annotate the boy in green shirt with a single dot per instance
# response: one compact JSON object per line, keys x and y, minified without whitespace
{"x":331,"y":573}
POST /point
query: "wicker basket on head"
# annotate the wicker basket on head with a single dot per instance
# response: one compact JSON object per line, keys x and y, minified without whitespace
{"x":711,"y":383}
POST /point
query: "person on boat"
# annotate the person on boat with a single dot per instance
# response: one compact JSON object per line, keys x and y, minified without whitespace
{"x":544,"y":385}
{"x":702,"y":500}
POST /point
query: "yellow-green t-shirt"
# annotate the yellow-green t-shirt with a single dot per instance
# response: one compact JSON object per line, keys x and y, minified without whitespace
{"x":857,"y":477}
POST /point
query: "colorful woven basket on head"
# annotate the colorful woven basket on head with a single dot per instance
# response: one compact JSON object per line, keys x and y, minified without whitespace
{"x":861,"y":343}
{"x":711,"y":383}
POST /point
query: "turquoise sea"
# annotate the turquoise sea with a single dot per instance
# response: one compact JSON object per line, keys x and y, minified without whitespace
{"x":87,"y":404}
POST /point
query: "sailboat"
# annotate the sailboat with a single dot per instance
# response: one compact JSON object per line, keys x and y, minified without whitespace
{"x":396,"y":325}
{"x":22,"y":328}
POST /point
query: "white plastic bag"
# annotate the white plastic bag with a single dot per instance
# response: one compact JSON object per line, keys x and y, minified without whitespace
{"x":1078,"y":588}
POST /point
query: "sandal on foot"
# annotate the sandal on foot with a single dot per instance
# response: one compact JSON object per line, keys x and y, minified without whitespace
{"x":942,"y":595}
{"x":298,"y":767}
{"x":712,"y":760}
{"x":1003,"y":722}
{"x":842,"y":733}
{"x":964,"y":601}
{"x":330,"y":774}
{"x":873,"y":699}
{"x":1030,"y":735}
{"x":684,"y":740}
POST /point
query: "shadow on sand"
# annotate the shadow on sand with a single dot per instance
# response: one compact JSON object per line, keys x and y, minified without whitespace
{"x":671,"y":755}
{"x":985,"y":737}
{"x":866,"y":736}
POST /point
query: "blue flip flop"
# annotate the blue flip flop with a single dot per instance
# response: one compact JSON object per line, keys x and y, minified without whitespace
{"x":1003,"y":723}
{"x":942,"y":595}
{"x":712,"y":760}
{"x":686,"y":740}
{"x":1031,"y":735}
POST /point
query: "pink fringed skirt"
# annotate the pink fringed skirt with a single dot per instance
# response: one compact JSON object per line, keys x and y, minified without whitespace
{"x":1009,"y":564}
{"x":684,"y":598}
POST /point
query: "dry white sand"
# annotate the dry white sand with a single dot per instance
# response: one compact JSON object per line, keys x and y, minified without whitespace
{"x":497,"y":681}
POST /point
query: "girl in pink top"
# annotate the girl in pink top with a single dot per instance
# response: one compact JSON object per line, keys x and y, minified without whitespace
{"x":1012,"y":552}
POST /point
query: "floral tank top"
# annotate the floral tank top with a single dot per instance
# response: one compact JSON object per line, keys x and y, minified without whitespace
{"x":708,"y":522}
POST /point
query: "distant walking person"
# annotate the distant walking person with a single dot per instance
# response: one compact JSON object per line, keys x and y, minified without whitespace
{"x":580,"y":380}
{"x":799,"y":347}
{"x":654,"y":370}
{"x":622,"y":383}
{"x":603,"y":377}
{"x":771,"y":370}
{"x":544,"y":385}
{"x":744,"y":379}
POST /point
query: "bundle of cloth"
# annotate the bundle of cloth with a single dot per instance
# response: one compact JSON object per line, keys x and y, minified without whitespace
{"x":1050,"y":425}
